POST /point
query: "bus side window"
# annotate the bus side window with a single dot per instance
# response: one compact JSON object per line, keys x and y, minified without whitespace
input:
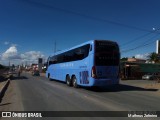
{"x":53,"y":60}
{"x":50,"y":62}
{"x":90,"y":48}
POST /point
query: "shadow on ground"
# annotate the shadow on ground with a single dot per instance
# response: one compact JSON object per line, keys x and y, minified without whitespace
{"x":5,"y":104}
{"x":2,"y":92}
{"x":118,"y":88}
{"x":19,"y":78}
{"x":114,"y":88}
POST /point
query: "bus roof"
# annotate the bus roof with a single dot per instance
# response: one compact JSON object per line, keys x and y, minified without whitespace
{"x":88,"y":42}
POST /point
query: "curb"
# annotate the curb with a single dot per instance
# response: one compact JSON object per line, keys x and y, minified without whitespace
{"x":4,"y":88}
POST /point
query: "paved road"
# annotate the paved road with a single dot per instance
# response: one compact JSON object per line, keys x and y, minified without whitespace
{"x":30,"y":93}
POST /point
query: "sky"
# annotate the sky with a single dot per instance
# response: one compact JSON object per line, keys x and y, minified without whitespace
{"x":30,"y":28}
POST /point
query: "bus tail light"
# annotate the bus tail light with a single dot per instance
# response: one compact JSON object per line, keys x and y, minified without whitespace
{"x":93,"y":72}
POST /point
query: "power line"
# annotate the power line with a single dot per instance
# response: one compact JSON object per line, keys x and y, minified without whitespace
{"x":142,"y":45}
{"x":85,"y":16}
{"x":102,"y":20}
{"x":140,"y":37}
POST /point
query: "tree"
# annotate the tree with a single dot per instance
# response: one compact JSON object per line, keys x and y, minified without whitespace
{"x":154,"y":57}
{"x":1,"y":66}
{"x":124,"y":59}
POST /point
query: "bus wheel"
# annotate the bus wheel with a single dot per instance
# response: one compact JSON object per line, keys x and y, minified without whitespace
{"x":68,"y":81}
{"x":74,"y":82}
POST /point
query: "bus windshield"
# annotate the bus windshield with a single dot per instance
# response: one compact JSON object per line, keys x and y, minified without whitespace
{"x":106,"y":53}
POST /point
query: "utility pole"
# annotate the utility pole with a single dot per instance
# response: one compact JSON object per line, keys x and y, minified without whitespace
{"x":9,"y":64}
{"x":158,"y":46}
{"x":55,"y":47}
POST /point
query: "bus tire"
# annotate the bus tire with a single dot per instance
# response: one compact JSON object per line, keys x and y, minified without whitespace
{"x":74,"y":82}
{"x":68,"y":81}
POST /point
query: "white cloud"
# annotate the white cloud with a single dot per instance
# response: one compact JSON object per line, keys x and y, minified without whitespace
{"x":142,"y":56}
{"x":32,"y":56}
{"x":11,"y":54}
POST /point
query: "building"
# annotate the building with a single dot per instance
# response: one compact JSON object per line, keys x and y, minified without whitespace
{"x":135,"y":60}
{"x":135,"y":68}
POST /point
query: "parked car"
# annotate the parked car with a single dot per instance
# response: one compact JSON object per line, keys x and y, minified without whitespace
{"x":35,"y":73}
{"x":151,"y":76}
